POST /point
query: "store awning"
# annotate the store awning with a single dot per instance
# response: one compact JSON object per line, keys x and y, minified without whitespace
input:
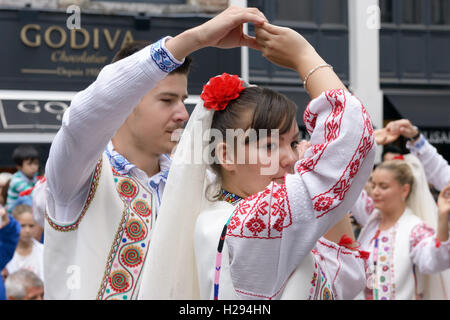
{"x":423,"y":108}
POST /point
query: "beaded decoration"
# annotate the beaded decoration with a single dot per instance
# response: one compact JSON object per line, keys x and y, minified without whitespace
{"x":233,"y":200}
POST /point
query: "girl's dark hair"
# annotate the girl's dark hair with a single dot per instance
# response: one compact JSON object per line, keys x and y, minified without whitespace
{"x":266,"y":109}
{"x":24,"y":152}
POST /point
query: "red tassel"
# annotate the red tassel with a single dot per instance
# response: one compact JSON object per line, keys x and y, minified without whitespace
{"x":345,"y":241}
{"x":364,"y":254}
{"x":438,"y":243}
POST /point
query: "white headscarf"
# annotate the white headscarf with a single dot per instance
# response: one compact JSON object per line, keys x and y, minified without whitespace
{"x":170,"y":271}
{"x":420,"y":200}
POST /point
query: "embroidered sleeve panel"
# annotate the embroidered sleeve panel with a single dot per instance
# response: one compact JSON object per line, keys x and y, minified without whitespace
{"x":428,"y":254}
{"x":346,"y":136}
{"x":418,"y":234}
{"x":162,"y":57}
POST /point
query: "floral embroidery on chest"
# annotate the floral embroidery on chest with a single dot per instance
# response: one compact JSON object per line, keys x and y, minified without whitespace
{"x":383,"y":265}
{"x":263,"y":215}
{"x":128,"y":252}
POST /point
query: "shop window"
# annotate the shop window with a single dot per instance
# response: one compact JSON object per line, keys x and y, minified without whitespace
{"x":386,"y":8}
{"x":332,"y":12}
{"x":440,"y":12}
{"x":412,"y":11}
{"x":295,"y":10}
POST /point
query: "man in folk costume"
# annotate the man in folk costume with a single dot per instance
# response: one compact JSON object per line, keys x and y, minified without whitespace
{"x":108,"y":163}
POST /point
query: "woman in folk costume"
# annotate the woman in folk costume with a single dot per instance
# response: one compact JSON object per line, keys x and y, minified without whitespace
{"x":260,"y":236}
{"x":399,"y":231}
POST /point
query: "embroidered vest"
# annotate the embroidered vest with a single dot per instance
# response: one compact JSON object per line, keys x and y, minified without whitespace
{"x":101,"y":255}
{"x":407,"y":285}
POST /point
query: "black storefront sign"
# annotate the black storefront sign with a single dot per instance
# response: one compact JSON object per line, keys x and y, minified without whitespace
{"x":31,"y":115}
{"x":41,"y":53}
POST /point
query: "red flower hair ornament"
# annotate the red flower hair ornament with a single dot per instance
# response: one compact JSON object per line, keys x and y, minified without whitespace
{"x":220,"y":90}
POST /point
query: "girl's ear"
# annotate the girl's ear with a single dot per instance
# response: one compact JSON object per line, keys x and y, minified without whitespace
{"x":406,"y":190}
{"x":225,"y":158}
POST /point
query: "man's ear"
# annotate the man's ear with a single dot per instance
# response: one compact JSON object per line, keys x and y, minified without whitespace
{"x":225,"y":158}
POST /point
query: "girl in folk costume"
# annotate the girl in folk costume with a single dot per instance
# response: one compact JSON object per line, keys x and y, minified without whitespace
{"x":260,"y":236}
{"x":399,"y":232}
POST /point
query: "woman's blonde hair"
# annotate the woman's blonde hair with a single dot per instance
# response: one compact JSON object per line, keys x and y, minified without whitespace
{"x":420,"y":200}
{"x":402,"y":172}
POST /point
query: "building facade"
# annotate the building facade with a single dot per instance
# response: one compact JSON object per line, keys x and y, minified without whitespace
{"x":392,"y":53}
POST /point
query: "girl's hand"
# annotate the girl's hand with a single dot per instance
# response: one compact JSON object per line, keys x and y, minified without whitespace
{"x":223,"y":31}
{"x":282,"y":46}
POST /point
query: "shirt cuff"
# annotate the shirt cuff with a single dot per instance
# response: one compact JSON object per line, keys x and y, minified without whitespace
{"x":416,"y":145}
{"x":162,"y":57}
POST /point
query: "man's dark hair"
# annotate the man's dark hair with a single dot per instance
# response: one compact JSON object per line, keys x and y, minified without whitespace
{"x":138,"y":45}
{"x":392,"y":149}
{"x":24,"y":152}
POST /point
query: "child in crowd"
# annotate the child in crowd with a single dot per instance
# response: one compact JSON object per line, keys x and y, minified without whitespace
{"x":29,"y":253}
{"x":26,"y":159}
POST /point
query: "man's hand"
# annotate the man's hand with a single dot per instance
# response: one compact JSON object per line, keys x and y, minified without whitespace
{"x":282,"y":46}
{"x":402,"y":127}
{"x":223,"y":31}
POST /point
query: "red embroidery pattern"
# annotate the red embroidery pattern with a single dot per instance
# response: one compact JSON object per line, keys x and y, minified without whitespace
{"x":332,"y":128}
{"x":309,"y":118}
{"x":336,"y":193}
{"x":264,"y":216}
{"x":418,"y":233}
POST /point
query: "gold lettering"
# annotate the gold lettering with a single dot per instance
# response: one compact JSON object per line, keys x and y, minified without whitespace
{"x":48,"y":40}
{"x":95,"y":41}
{"x":111,"y":42}
{"x":24,"y":38}
{"x":73,"y":38}
{"x":127,"y":38}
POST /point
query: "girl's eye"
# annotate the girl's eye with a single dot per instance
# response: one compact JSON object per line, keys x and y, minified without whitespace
{"x":294,"y":144}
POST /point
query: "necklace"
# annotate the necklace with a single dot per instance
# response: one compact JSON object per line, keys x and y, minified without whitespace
{"x":229,"y":197}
